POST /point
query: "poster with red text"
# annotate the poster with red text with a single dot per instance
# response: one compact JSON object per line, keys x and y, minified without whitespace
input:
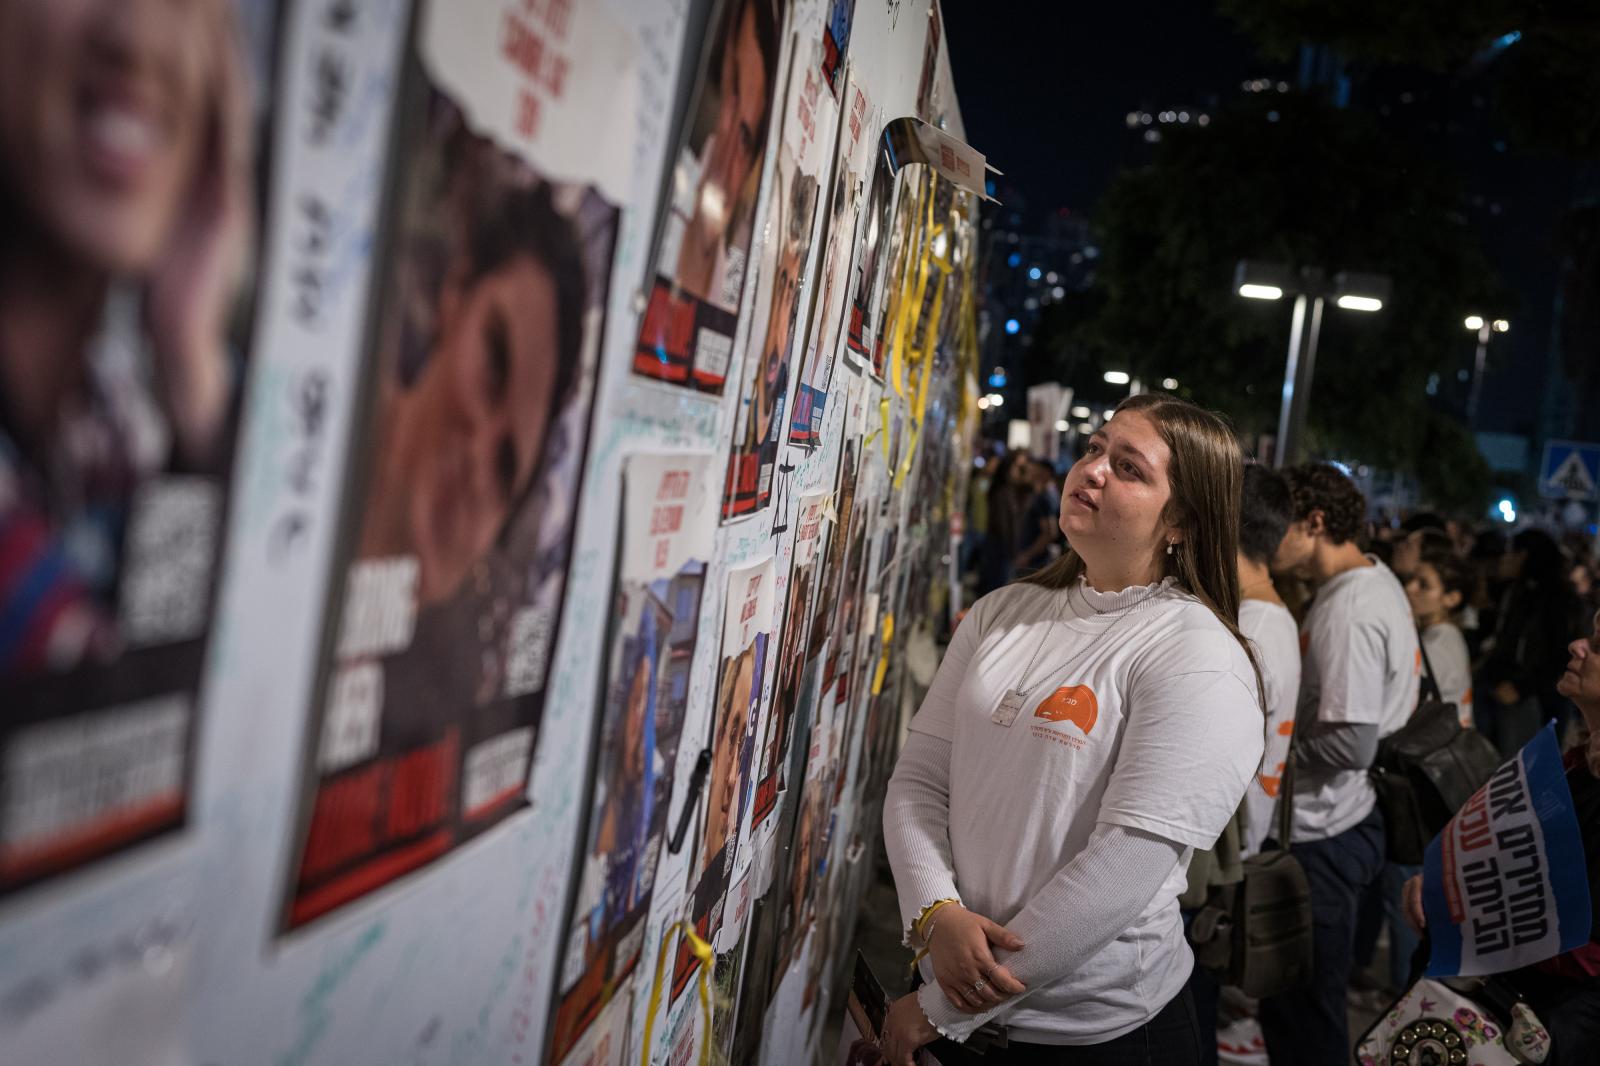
{"x":852,"y":163}
{"x":792,"y":639}
{"x":735,"y":721}
{"x":702,"y":260}
{"x":668,"y":530}
{"x":866,"y":270}
{"x":468,"y":466}
{"x":783,"y":279}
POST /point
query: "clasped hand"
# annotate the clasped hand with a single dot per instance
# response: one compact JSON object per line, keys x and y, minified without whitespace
{"x":959,"y":945}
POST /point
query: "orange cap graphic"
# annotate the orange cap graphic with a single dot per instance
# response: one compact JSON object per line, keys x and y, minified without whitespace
{"x":1070,"y":703}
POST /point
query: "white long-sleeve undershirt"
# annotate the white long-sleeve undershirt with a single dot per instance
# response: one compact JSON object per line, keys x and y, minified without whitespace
{"x":1091,"y":900}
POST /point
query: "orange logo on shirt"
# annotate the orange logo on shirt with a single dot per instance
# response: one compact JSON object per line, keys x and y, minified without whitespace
{"x":1305,"y":641}
{"x":1418,"y":668}
{"x":1070,"y":703}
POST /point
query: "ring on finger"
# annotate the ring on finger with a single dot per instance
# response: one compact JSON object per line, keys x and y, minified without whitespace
{"x":979,"y":986}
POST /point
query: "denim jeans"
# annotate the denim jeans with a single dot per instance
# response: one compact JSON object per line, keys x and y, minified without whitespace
{"x":1380,"y":907}
{"x":1309,"y":1025}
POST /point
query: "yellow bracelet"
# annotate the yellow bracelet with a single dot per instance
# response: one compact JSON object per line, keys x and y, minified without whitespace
{"x":928,"y":912}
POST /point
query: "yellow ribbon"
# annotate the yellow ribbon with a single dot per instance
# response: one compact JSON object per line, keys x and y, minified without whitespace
{"x":702,"y":951}
{"x":911,"y":296}
{"x":922,"y":354}
{"x":883,"y":660}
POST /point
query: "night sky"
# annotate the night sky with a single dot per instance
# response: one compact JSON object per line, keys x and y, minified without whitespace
{"x":1045,"y":87}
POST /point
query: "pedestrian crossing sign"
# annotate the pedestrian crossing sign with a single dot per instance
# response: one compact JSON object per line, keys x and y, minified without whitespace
{"x":1570,"y":471}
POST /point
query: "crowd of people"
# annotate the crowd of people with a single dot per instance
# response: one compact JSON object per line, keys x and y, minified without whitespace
{"x":1163,"y":653}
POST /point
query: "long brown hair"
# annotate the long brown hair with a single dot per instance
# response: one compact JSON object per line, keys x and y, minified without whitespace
{"x":1205,"y":472}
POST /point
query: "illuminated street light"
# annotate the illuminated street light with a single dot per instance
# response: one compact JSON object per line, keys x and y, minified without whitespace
{"x":1260,"y":292}
{"x":1349,"y":290}
{"x":1079,"y":412}
{"x":1117,"y":377}
{"x":1063,"y":425}
{"x":1169,"y":383}
{"x":1484,"y":328}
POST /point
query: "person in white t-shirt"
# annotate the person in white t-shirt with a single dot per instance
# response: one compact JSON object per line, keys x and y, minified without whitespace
{"x":1088,"y":728}
{"x":1360,"y":662}
{"x":1264,"y":517}
{"x":1264,"y":513}
{"x":1436,"y":589}
{"x":1437,"y":585}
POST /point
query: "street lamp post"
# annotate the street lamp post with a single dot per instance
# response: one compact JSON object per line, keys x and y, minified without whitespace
{"x":1351,"y":291}
{"x":1484,"y":328}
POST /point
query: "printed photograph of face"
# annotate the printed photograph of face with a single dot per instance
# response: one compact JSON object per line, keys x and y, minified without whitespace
{"x":631,"y":769}
{"x":785,"y":689}
{"x":792,"y":219}
{"x":732,"y":126}
{"x":737,"y":691}
{"x":466,"y":473}
{"x":772,"y":341}
{"x":127,"y":151}
{"x":487,"y":350}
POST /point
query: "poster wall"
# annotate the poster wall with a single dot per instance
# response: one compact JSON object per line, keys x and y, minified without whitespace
{"x":405,"y":676}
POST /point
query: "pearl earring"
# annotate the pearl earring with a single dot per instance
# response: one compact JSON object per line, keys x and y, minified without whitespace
{"x":1170,"y":546}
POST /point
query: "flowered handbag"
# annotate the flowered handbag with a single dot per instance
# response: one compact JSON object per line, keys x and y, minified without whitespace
{"x":1433,"y":1024}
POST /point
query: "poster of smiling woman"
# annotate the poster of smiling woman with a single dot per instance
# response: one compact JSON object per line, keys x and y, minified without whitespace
{"x":482,"y":371}
{"x":133,"y":141}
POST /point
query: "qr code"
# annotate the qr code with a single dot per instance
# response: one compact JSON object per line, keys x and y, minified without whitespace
{"x":527,"y":651}
{"x":166,"y":568}
{"x":712,"y":352}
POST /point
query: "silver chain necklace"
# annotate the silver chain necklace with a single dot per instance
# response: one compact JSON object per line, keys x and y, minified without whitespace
{"x":1012,"y":702}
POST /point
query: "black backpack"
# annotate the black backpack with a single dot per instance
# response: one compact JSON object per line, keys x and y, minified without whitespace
{"x":1426,"y":770}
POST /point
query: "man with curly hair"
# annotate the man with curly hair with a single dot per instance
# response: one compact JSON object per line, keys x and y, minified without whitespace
{"x":1358,"y":683}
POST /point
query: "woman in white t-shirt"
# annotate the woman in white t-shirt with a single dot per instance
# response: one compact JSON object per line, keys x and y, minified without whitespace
{"x":1436,"y":589}
{"x":1087,"y":729}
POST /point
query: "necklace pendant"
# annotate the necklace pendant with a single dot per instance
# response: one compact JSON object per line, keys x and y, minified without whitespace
{"x":1010,"y":706}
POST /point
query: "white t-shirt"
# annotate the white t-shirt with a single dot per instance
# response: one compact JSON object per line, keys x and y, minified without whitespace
{"x":1271,"y":629}
{"x":1452,"y":666}
{"x":1141,"y":711}
{"x":1360,"y":663}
